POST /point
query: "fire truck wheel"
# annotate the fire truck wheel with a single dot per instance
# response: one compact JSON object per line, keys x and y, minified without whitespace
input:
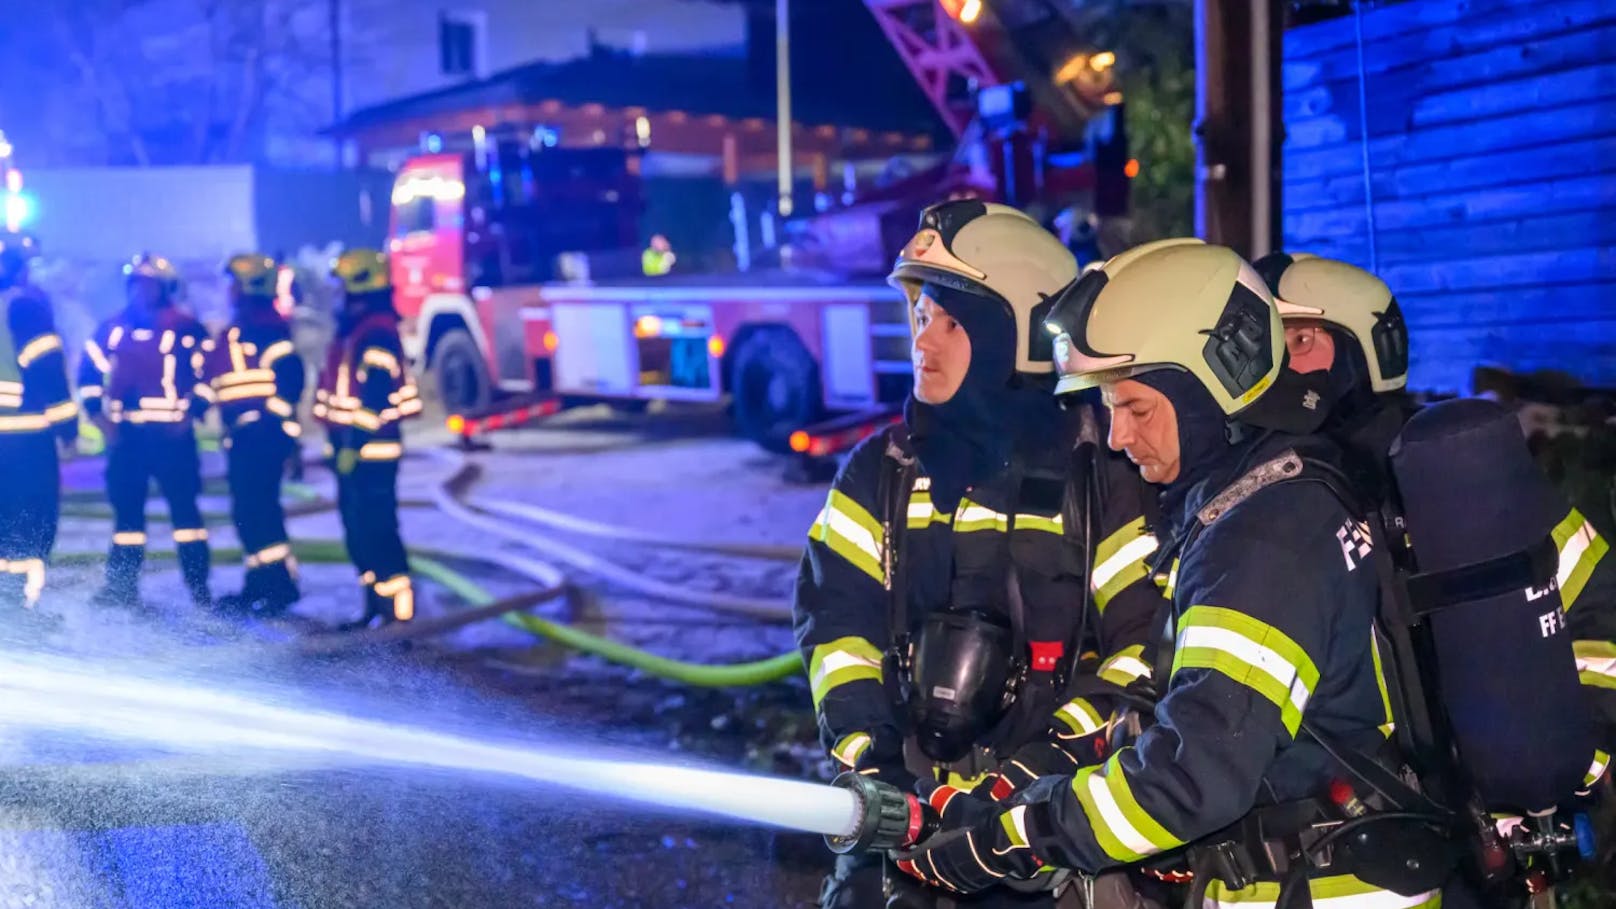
{"x":776,"y":388}
{"x":461,"y":375}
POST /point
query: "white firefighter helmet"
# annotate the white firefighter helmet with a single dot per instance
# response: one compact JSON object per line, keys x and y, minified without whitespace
{"x":1312,"y":288}
{"x":993,"y":251}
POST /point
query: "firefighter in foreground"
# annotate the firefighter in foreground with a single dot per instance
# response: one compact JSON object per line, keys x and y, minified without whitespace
{"x":256,"y":380}
{"x":1272,"y":650}
{"x":140,"y":379}
{"x":1345,"y":323}
{"x":36,"y":410}
{"x":364,"y":396}
{"x":948,"y":565}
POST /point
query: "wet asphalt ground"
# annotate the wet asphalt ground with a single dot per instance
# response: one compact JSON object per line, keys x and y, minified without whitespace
{"x":90,"y":823}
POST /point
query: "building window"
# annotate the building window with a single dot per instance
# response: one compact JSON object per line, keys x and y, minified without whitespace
{"x":460,"y":43}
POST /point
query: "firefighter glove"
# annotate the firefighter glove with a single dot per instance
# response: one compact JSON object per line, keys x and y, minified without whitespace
{"x":1043,"y":758}
{"x":970,"y":859}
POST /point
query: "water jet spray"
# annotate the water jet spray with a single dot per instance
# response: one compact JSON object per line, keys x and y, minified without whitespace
{"x":58,"y":696}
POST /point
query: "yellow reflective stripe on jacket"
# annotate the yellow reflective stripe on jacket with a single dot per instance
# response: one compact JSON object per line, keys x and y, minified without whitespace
{"x":381,"y":451}
{"x":1080,"y":717}
{"x":971,"y":517}
{"x":274,"y":352}
{"x":245,"y":391}
{"x":63,"y":412}
{"x":1119,"y":561}
{"x":1342,"y":891}
{"x":1125,"y":666}
{"x":1041,"y":524}
{"x":851,"y":748}
{"x":839,"y":662}
{"x":1597,"y":769}
{"x":1581,"y":547}
{"x":381,"y":359}
{"x":37,"y":348}
{"x":1250,"y":652}
{"x":1596,"y":663}
{"x":852,"y":533}
{"x":922,"y":513}
{"x":97,"y":357}
{"x":1123,"y":829}
{"x":1015,"y":826}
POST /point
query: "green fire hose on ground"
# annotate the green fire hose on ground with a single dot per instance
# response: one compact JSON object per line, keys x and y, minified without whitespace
{"x":431,"y":565}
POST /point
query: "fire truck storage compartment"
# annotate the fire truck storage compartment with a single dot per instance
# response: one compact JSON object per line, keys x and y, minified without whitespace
{"x":594,"y":357}
{"x":846,"y":366}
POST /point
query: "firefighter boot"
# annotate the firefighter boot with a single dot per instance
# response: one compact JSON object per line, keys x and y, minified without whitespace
{"x":378,"y":611}
{"x":122,"y":586}
{"x":268,"y":591}
{"x":195,"y":562}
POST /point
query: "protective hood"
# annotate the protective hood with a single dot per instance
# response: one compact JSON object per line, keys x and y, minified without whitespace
{"x":970,"y":437}
{"x":1205,"y":448}
{"x":356,"y":308}
{"x":256,"y":310}
{"x":1348,"y":385}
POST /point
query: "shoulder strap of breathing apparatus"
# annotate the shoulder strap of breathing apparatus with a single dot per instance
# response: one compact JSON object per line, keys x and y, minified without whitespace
{"x":899,"y":467}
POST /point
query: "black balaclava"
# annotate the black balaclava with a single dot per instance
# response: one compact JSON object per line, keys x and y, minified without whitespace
{"x":967,"y":439}
{"x":1351,"y":393}
{"x":1204,"y":443}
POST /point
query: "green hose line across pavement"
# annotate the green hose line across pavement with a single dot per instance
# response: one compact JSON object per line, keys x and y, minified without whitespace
{"x":427,"y":564}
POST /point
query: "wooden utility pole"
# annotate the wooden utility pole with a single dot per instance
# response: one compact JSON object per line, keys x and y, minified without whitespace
{"x":1239,"y":128}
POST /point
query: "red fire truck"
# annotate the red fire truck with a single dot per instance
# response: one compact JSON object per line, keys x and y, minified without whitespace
{"x":516,"y":265}
{"x":479,"y":262}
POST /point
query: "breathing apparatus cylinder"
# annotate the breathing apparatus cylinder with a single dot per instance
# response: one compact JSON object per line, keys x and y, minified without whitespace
{"x":1479,"y":515}
{"x":964,"y":679}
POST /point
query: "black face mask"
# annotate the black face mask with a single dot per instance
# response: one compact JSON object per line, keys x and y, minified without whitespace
{"x":969,"y":438}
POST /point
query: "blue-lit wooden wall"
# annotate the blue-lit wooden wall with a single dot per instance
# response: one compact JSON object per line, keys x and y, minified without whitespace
{"x":1492,"y":159}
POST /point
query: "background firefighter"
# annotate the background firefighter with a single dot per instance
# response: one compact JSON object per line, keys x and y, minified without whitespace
{"x":256,"y":380}
{"x":950,"y":559}
{"x":139,"y":379}
{"x":36,"y":410}
{"x":365,"y":394}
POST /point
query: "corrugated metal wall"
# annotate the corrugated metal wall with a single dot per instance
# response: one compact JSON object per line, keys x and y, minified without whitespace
{"x":1492,"y":163}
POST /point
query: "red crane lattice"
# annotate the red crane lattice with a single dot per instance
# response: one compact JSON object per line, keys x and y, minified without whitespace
{"x":938,"y":50}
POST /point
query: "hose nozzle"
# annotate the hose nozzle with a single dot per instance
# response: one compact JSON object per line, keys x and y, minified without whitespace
{"x":884,"y":816}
